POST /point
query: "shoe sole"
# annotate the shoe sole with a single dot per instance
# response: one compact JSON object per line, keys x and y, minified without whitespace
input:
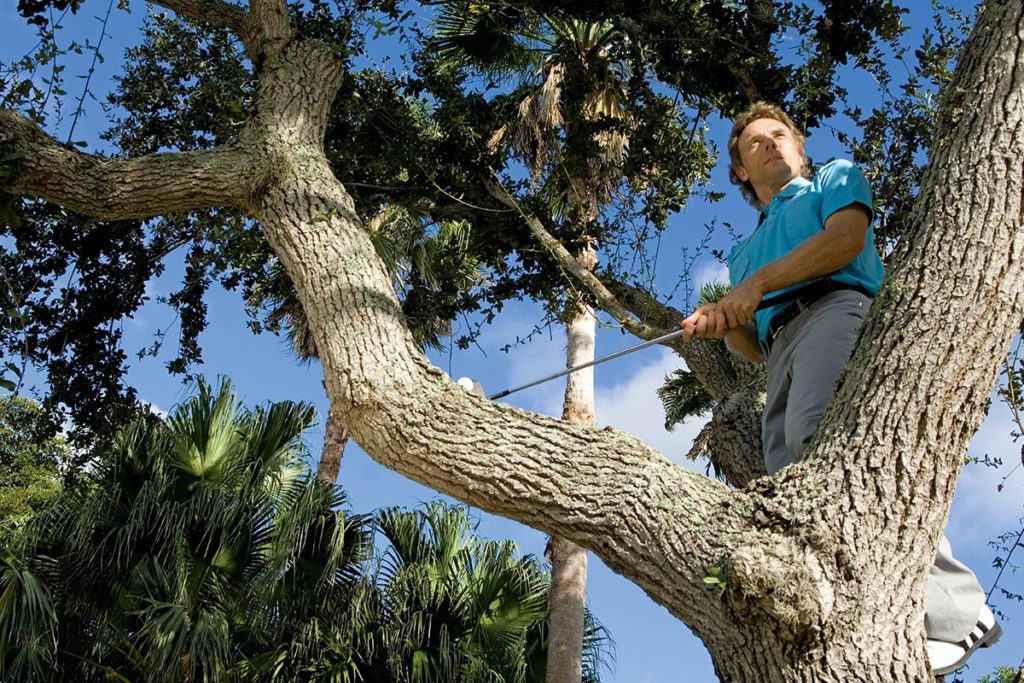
{"x":990,"y":638}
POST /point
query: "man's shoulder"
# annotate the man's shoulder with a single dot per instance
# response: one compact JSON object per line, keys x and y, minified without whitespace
{"x":836,"y":170}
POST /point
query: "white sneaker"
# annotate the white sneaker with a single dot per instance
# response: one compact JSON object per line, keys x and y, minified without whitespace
{"x":945,"y":658}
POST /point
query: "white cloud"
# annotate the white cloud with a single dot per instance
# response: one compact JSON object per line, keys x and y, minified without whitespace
{"x":633,"y":406}
{"x":711,"y":271}
{"x":630,"y":403}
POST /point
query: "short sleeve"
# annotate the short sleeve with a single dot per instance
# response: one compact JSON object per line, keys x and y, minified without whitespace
{"x":738,"y":264}
{"x":842,"y":184}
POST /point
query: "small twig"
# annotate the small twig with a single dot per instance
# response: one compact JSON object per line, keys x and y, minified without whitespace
{"x":1009,"y":555}
{"x":465,"y":203}
{"x":92,"y":69}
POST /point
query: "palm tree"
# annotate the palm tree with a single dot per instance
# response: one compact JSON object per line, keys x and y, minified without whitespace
{"x":201,"y":548}
{"x":189,"y":553}
{"x":460,"y":608}
{"x":567,"y":126}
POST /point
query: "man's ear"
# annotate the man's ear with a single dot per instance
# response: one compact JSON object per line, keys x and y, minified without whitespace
{"x":741,"y":173}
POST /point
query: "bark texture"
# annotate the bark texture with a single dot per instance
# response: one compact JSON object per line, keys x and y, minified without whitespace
{"x":568,"y":601}
{"x":823,"y":563}
{"x":335,"y":439}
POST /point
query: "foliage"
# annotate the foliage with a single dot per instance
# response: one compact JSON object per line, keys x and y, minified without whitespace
{"x":451,"y":598}
{"x":635,"y":83}
{"x":682,"y":396}
{"x":1002,"y":674}
{"x":892,"y":140}
{"x":195,"y":535}
{"x":202,"y":548}
{"x":29,"y":463}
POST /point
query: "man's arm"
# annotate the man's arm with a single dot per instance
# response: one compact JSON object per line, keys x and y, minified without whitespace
{"x":742,"y":341}
{"x":826,"y":252}
{"x":841,"y":240}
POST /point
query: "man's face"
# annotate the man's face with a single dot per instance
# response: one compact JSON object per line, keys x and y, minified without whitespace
{"x":769,"y":154}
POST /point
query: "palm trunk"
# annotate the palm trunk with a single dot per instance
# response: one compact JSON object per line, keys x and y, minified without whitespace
{"x":567,"y":600}
{"x":335,"y":438}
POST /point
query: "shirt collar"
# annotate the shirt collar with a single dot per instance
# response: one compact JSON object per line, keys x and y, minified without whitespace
{"x":792,"y":187}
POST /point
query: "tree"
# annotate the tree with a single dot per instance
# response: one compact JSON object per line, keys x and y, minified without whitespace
{"x":1002,"y":674}
{"x":202,"y":547}
{"x":198,"y":548}
{"x":802,"y":554}
{"x":29,"y":465}
{"x":461,"y":608}
{"x":566,"y":130}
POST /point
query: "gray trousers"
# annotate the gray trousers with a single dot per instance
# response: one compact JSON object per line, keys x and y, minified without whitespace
{"x":804,"y":364}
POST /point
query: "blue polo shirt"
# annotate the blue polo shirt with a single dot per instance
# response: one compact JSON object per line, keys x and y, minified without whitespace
{"x":798,"y":212}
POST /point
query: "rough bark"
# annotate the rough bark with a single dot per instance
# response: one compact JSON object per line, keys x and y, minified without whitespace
{"x":568,"y":598}
{"x":114,"y":189}
{"x":824,"y":562}
{"x":335,"y":439}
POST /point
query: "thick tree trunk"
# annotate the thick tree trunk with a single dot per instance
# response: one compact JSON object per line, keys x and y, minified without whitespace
{"x":568,"y":598}
{"x":824,"y":563}
{"x":335,"y":438}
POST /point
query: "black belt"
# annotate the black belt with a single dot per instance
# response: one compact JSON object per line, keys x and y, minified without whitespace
{"x":800,"y":299}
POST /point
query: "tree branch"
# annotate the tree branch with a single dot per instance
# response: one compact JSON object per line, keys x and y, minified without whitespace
{"x":114,"y":189}
{"x":219,"y":13}
{"x":270,"y":20}
{"x":605,"y":299}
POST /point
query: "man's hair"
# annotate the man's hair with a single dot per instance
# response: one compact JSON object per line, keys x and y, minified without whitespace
{"x":759,"y":110}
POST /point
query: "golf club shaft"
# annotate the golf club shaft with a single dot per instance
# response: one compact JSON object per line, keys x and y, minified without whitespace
{"x":785,"y":297}
{"x":610,"y":356}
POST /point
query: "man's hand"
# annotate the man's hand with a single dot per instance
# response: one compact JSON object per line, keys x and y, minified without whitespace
{"x":736,"y":309}
{"x":739,"y":305}
{"x":707,"y":321}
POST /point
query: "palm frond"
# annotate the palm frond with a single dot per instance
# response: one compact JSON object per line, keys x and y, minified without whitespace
{"x":598,"y":648}
{"x":28,"y":621}
{"x":207,"y":436}
{"x":713,"y":292}
{"x":273,"y":438}
{"x":683,"y":396}
{"x":497,"y":41}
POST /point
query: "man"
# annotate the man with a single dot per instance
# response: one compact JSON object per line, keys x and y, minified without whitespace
{"x":813,"y":248}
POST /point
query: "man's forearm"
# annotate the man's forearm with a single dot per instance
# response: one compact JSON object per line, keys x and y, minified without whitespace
{"x":743,"y":342}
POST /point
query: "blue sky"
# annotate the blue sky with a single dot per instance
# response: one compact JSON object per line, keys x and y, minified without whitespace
{"x":651,"y":645}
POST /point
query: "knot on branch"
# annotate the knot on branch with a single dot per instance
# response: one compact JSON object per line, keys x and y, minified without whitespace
{"x":778,"y":576}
